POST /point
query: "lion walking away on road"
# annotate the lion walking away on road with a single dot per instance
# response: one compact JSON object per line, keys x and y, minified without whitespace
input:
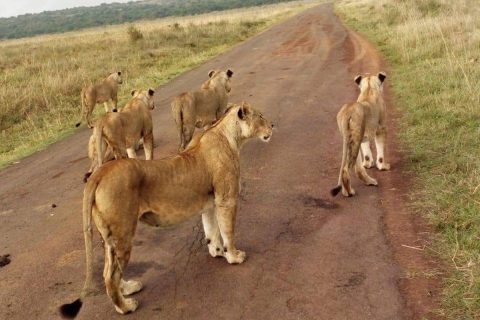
{"x":104,"y":92}
{"x":203,"y":107}
{"x":359,"y":122}
{"x":116,"y":134}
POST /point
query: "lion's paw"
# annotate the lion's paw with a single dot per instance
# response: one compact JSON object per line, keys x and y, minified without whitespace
{"x":235,"y":257}
{"x":368,"y":162}
{"x":129,"y":305}
{"x":383,"y":166}
{"x":215,"y":250}
{"x":130,"y":287}
{"x":345,"y":192}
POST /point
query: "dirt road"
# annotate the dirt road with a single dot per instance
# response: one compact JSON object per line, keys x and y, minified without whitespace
{"x":309,"y":256}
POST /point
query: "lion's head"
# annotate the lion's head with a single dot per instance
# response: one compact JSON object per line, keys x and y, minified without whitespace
{"x":146,"y":96}
{"x":251,"y":122}
{"x":116,"y":77}
{"x":369,"y":82}
{"x":220,"y":77}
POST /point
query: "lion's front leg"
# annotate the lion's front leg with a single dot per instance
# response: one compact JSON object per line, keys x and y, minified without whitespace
{"x":212,"y":233}
{"x":380,"y":139}
{"x":367,"y":154}
{"x":225,"y":213}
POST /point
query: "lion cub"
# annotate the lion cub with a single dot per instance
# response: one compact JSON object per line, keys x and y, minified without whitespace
{"x":104,"y":92}
{"x":358,"y":122}
{"x":203,"y":107}
{"x":116,"y":134}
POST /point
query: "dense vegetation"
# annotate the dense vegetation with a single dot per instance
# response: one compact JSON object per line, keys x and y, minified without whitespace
{"x":114,"y":13}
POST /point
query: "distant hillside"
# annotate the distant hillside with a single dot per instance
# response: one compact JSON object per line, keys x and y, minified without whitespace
{"x":114,"y":13}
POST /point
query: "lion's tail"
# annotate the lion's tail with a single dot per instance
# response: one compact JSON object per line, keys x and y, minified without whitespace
{"x":178,"y":115}
{"x":82,"y":98}
{"x":98,"y":132}
{"x":70,"y":310}
{"x":346,"y":155}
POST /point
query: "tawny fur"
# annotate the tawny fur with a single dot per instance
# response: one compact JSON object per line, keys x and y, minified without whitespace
{"x":359,"y":122}
{"x":203,"y":107}
{"x":204,"y":179}
{"x":116,"y":135}
{"x":103,"y":92}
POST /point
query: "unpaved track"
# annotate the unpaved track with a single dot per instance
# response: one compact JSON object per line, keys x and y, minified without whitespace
{"x":309,"y":256}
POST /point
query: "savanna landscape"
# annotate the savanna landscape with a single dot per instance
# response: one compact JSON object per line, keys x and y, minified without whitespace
{"x":405,"y":249}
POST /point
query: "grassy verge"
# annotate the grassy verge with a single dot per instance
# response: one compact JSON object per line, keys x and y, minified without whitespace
{"x":433,"y":47}
{"x":41,"y":77}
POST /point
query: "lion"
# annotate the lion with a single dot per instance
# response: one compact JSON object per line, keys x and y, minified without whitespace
{"x":116,"y":135}
{"x":104,"y":92}
{"x":202,"y":180}
{"x":203,"y":107}
{"x":359,"y":122}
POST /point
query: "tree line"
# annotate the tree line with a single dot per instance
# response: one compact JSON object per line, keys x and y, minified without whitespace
{"x":114,"y":13}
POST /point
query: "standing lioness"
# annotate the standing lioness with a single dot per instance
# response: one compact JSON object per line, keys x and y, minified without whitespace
{"x":358,"y":122}
{"x":116,"y":134}
{"x":104,"y":92}
{"x":204,"y":179}
{"x":201,"y":108}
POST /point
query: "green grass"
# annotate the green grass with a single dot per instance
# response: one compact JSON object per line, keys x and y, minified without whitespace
{"x":433,"y":48}
{"x":41,"y":78}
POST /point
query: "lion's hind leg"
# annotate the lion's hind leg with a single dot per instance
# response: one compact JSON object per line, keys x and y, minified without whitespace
{"x":88,"y":114}
{"x":117,"y":254}
{"x":362,"y":173}
{"x":212,"y":233}
{"x":187,"y":134}
{"x":148,"y":146}
{"x":380,"y":138}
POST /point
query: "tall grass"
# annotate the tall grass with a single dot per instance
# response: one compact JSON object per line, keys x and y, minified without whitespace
{"x":41,"y":77}
{"x":433,"y":47}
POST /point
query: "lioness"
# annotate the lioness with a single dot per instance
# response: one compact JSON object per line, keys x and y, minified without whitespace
{"x":104,"y":92}
{"x":358,"y":122}
{"x":204,"y":179}
{"x":116,"y":134}
{"x":201,"y":108}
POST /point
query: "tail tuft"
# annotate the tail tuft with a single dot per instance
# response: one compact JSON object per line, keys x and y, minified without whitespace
{"x":70,"y":310}
{"x":78,"y":124}
{"x":86,"y":176}
{"x":335,"y":190}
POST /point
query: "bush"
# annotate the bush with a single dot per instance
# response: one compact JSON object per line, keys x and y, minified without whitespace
{"x":134,"y":33}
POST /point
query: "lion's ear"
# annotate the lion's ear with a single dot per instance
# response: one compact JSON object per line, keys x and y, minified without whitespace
{"x":382,"y":75}
{"x":245,"y":105}
{"x":229,"y":73}
{"x":211,"y":73}
{"x":151,"y":92}
{"x":241,"y":113}
{"x":358,"y":79}
{"x":133,"y":92}
{"x":244,"y":110}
